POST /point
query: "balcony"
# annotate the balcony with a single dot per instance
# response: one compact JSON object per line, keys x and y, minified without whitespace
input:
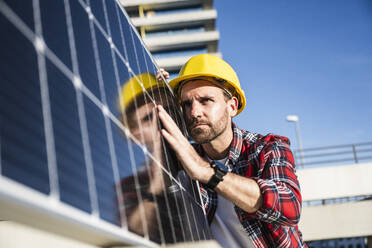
{"x":201,"y":17}
{"x":159,"y":4}
{"x":181,"y":40}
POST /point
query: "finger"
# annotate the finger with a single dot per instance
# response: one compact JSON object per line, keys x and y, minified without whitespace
{"x":168,"y":122}
{"x":184,"y":152}
{"x":170,"y":139}
{"x":158,"y":77}
{"x":159,"y":73}
{"x":165,"y":117}
{"x":166,"y":74}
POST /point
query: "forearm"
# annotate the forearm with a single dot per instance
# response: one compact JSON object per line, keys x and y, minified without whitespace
{"x":269,"y":200}
{"x":243,"y":192}
{"x":264,"y":198}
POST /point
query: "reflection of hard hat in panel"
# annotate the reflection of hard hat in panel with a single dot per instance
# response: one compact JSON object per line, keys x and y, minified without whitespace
{"x":206,"y":65}
{"x":133,"y":88}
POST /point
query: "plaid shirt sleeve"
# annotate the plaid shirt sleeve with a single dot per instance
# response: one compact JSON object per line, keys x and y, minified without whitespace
{"x":278,"y":183}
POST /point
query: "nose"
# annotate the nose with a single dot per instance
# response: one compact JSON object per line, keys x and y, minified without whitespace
{"x":196,"y":110}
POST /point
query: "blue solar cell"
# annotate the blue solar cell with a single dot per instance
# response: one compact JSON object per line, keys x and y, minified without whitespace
{"x":102,"y":164}
{"x":126,"y":30}
{"x":23,"y":150}
{"x":24,"y":9}
{"x":143,"y":67}
{"x":122,"y":151}
{"x":151,"y":68}
{"x":54,"y":25}
{"x":72,"y":173}
{"x":97,"y":7}
{"x":123,"y":76}
{"x":84,"y":48}
{"x":108,"y":74}
{"x":115,"y":26}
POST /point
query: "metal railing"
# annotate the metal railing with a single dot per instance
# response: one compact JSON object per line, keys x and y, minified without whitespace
{"x":328,"y":155}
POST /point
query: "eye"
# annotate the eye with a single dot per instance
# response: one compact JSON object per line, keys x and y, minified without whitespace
{"x":147,"y":117}
{"x":205,"y":100}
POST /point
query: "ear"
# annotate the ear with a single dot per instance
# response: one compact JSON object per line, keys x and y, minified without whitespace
{"x":232,"y":106}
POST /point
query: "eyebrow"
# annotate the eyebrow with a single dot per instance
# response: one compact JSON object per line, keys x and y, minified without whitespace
{"x":201,"y":97}
{"x":207,"y":97}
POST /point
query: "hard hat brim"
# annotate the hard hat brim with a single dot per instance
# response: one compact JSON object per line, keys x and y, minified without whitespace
{"x":176,"y":81}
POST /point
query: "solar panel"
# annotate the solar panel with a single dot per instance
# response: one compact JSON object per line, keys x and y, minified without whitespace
{"x":80,"y":142}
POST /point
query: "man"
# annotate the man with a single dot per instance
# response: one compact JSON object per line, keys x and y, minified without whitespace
{"x":253,"y":199}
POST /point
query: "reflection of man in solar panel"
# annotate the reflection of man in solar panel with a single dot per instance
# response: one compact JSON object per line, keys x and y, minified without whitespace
{"x":249,"y":187}
{"x":139,"y":116}
{"x":138,"y":109}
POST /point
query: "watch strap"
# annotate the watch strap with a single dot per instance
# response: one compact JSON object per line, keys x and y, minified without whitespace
{"x":217,"y":176}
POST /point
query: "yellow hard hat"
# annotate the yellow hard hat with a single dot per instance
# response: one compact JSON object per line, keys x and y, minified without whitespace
{"x":206,"y":65}
{"x":133,"y":88}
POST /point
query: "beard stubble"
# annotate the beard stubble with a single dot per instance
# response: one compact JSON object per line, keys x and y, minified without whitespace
{"x":209,"y":131}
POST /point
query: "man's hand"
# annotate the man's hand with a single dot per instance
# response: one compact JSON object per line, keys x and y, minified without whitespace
{"x":163,"y":72}
{"x":243,"y":192}
{"x":195,"y":166}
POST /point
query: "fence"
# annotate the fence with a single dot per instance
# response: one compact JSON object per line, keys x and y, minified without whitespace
{"x":329,"y":155}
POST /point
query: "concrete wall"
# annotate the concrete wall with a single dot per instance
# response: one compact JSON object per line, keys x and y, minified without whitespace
{"x":349,"y":219}
{"x":335,"y":181}
{"x":353,"y":219}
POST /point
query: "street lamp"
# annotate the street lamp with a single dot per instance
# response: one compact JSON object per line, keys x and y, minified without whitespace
{"x":294,"y":118}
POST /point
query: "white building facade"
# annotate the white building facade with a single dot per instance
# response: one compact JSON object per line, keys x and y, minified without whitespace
{"x":175,"y":30}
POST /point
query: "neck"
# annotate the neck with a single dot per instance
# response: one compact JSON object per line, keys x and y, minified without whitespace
{"x":219,"y":147}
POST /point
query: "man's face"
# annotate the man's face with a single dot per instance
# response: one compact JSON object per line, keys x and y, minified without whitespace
{"x":206,"y":111}
{"x":143,"y":122}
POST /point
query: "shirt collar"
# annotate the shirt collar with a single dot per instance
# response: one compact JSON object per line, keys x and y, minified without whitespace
{"x":236,"y":144}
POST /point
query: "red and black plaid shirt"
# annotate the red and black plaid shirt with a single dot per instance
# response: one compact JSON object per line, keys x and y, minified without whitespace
{"x":268,"y":160}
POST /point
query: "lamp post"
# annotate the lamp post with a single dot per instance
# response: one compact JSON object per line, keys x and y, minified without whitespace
{"x":294,"y":118}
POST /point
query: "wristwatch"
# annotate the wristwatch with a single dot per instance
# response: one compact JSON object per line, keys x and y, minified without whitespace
{"x":219,"y":173}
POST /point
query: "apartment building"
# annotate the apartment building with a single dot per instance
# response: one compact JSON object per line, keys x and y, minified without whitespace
{"x":175,"y":30}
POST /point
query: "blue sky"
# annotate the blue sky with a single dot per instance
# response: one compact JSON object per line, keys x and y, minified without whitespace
{"x":309,"y":58}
